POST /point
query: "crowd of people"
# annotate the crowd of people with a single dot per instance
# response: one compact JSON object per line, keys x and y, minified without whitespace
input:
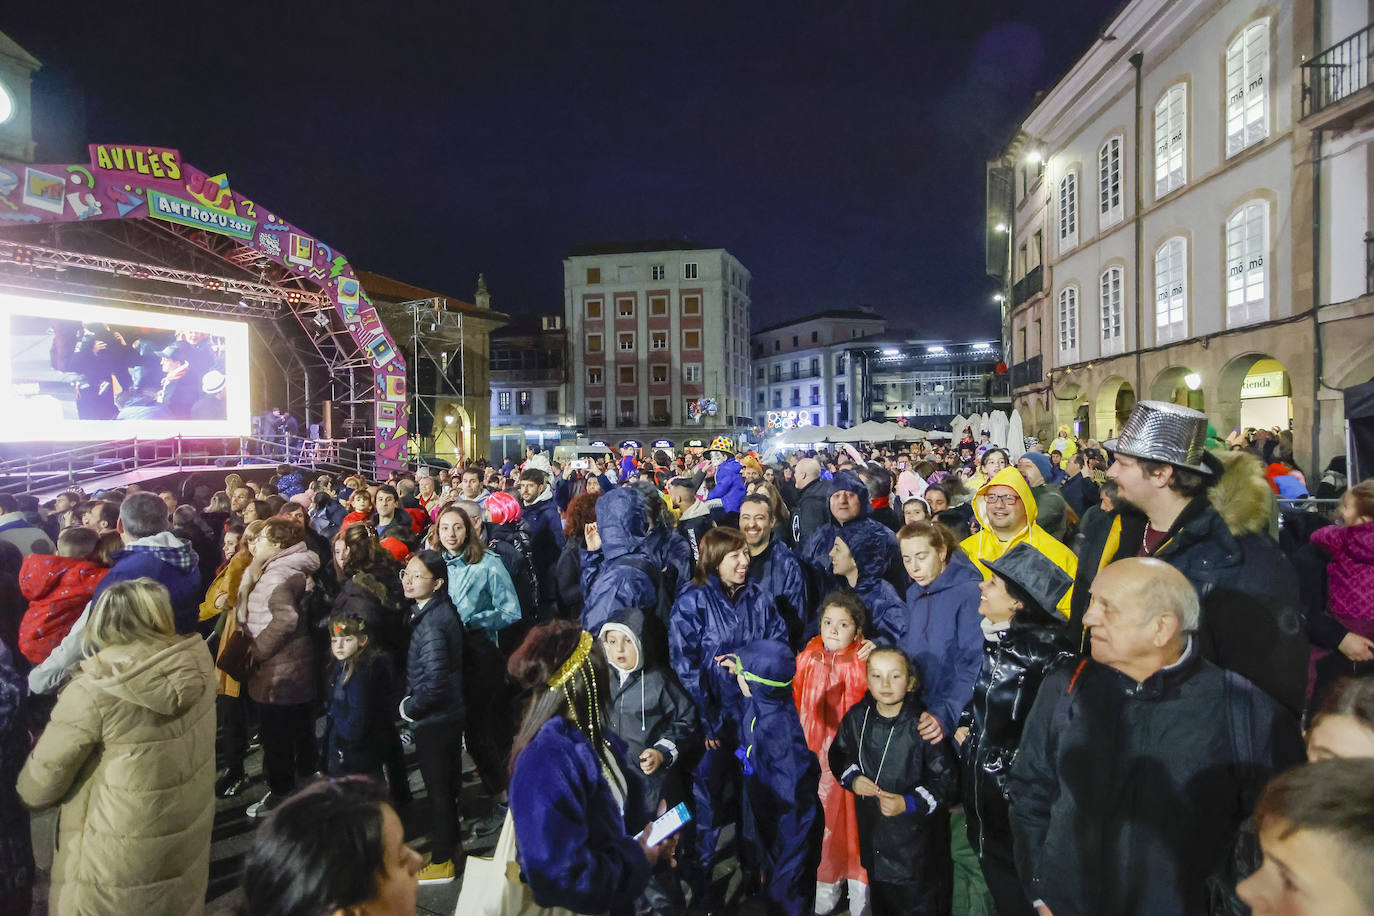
{"x":924,"y":680}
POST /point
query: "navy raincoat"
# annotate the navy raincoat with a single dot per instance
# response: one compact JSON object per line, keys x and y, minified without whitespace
{"x":944,"y":637}
{"x":778,"y":573}
{"x":617,"y":576}
{"x":814,"y":551}
{"x":868,"y":543}
{"x":730,"y":487}
{"x":673,"y":554}
{"x":782,"y":813}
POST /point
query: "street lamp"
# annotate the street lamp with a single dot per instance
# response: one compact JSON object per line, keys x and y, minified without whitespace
{"x":1034,"y":157}
{"x":999,"y":297}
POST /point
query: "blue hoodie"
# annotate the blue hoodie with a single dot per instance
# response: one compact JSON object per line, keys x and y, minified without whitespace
{"x":784,"y":822}
{"x":944,"y":637}
{"x":815,"y":552}
{"x":616,"y":576}
{"x":169,"y":560}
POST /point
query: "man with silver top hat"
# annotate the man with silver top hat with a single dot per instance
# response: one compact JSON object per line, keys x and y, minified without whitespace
{"x":1207,"y":515}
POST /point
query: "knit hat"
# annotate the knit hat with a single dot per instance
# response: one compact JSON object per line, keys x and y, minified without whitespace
{"x":1042,"y":463}
{"x":502,"y":508}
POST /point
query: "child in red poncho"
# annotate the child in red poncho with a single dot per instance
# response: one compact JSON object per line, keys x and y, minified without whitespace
{"x":831,"y":677}
{"x":58,"y":589}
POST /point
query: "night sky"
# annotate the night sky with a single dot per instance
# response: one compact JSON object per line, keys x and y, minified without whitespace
{"x":836,"y":149}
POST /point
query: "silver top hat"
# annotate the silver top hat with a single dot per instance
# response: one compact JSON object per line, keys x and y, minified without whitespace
{"x":1158,"y":431}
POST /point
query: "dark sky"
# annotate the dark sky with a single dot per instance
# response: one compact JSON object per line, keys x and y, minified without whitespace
{"x":836,"y":149}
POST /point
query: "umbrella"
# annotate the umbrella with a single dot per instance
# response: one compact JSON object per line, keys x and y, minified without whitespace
{"x":911,"y":434}
{"x":870,"y":431}
{"x":956,"y":426}
{"x":998,"y":424}
{"x":1016,"y":445}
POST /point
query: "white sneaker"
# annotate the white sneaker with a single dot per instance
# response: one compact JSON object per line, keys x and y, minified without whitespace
{"x":262,"y":807}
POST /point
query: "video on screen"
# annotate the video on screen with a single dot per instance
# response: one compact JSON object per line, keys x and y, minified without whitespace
{"x":70,"y":371}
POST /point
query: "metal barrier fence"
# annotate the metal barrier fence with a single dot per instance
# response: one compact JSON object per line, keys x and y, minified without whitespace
{"x":77,"y":466}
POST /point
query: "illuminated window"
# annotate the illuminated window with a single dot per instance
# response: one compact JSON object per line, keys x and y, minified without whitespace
{"x":1247,"y":97}
{"x":1247,"y":244}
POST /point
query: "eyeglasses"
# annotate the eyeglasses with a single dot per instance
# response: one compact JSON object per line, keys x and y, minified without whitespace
{"x":1002,"y":499}
{"x":408,"y":576}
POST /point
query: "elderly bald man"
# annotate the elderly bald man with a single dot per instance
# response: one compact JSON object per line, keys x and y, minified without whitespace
{"x":1137,"y":765}
{"x":813,"y":500}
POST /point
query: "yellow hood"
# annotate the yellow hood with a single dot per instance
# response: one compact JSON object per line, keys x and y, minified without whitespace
{"x":1007,"y":477}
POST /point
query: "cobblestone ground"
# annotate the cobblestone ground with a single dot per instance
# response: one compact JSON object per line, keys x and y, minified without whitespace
{"x":233,"y":833}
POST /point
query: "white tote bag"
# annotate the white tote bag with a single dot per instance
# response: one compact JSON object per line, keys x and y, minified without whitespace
{"x":492,"y":887}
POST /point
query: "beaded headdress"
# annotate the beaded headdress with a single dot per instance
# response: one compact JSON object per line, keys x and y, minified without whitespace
{"x":578,"y":666}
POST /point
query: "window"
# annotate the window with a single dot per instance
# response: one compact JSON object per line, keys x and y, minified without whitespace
{"x":1110,"y":208}
{"x":1068,"y":210}
{"x":658,"y":410}
{"x":777,"y":400}
{"x":1171,"y":128}
{"x":658,"y":373}
{"x":796,"y":369}
{"x":594,"y":308}
{"x":658,"y":306}
{"x":594,"y":376}
{"x":1247,"y":243}
{"x":758,"y":373}
{"x":1109,"y":302}
{"x":593,"y":274}
{"x":691,"y":339}
{"x":625,"y":375}
{"x":839,"y":392}
{"x":777,"y":372}
{"x":691,"y":305}
{"x":1068,"y":324}
{"x":593,"y":343}
{"x":625,"y":341}
{"x":551,"y":402}
{"x":796,"y":397}
{"x":1171,"y":290}
{"x":763,"y":399}
{"x":625,"y":308}
{"x":522,"y":402}
{"x":503,"y":401}
{"x":815,"y":366}
{"x":595,"y":415}
{"x":689,"y":270}
{"x":815,"y":336}
{"x":657,"y":271}
{"x":691,"y":372}
{"x":815,"y":394}
{"x":658,"y":340}
{"x":794,"y":340}
{"x":627,"y":412}
{"x":1247,"y":97}
{"x":839,"y":364}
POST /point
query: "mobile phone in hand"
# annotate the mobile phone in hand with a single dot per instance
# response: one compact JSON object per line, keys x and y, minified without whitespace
{"x":669,"y":824}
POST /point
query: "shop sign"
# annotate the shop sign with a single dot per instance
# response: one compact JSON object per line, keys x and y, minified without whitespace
{"x":1265,"y":385}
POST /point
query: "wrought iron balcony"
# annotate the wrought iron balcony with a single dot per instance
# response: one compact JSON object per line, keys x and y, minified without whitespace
{"x":1028,"y":286}
{"x":1335,"y":84}
{"x":1029,"y":372}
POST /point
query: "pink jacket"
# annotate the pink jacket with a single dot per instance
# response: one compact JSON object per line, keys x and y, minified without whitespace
{"x":270,"y":609}
{"x":1350,"y":574}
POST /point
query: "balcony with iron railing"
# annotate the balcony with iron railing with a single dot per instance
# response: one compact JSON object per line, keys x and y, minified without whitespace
{"x":1028,"y":286}
{"x":1336,"y":92}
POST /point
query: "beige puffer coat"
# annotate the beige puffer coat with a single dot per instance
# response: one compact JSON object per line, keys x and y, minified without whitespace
{"x":269,"y":608}
{"x":130,"y":756}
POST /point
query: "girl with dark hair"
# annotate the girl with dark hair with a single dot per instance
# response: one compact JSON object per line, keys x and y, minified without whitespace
{"x":712,"y":618}
{"x":334,"y":846}
{"x":371,"y":589}
{"x":1024,"y":638}
{"x":433,"y":705}
{"x":359,"y":734}
{"x":574,"y":803}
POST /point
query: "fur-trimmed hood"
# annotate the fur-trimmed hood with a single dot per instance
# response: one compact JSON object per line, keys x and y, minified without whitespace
{"x":1242,"y":496}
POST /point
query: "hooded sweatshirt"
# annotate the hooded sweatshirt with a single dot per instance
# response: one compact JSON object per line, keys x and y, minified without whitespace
{"x":782,"y":777}
{"x":130,"y":756}
{"x":869,"y":545}
{"x":1350,"y":574}
{"x":649,"y":708}
{"x":58,"y":590}
{"x":944,"y":637}
{"x":730,"y":488}
{"x":985,"y":545}
{"x":815,"y":551}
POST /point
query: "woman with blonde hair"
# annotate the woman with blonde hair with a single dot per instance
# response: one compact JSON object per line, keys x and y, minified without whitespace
{"x":130,"y":756}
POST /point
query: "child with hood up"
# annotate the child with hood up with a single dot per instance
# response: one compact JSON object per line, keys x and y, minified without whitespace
{"x":657,"y":720}
{"x":782,"y":819}
{"x":903,"y":786}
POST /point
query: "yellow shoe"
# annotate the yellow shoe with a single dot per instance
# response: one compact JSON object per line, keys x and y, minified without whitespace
{"x":437,"y":873}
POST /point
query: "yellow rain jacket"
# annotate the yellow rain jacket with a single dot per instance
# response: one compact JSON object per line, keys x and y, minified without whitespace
{"x":985,"y":545}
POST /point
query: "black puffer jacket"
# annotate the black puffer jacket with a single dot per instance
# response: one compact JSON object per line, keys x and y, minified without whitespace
{"x":434,"y":664}
{"x":567,"y":577}
{"x":512,"y":544}
{"x":1014,"y":665}
{"x":812,"y":509}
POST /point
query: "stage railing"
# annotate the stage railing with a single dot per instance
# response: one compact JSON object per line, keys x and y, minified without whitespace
{"x":74,"y":467}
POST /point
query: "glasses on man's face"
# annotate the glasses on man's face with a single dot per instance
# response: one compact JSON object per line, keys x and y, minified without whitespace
{"x":1002,"y":499}
{"x":408,"y":576}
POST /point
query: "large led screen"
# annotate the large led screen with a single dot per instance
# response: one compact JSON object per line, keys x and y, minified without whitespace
{"x":75,"y":372}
